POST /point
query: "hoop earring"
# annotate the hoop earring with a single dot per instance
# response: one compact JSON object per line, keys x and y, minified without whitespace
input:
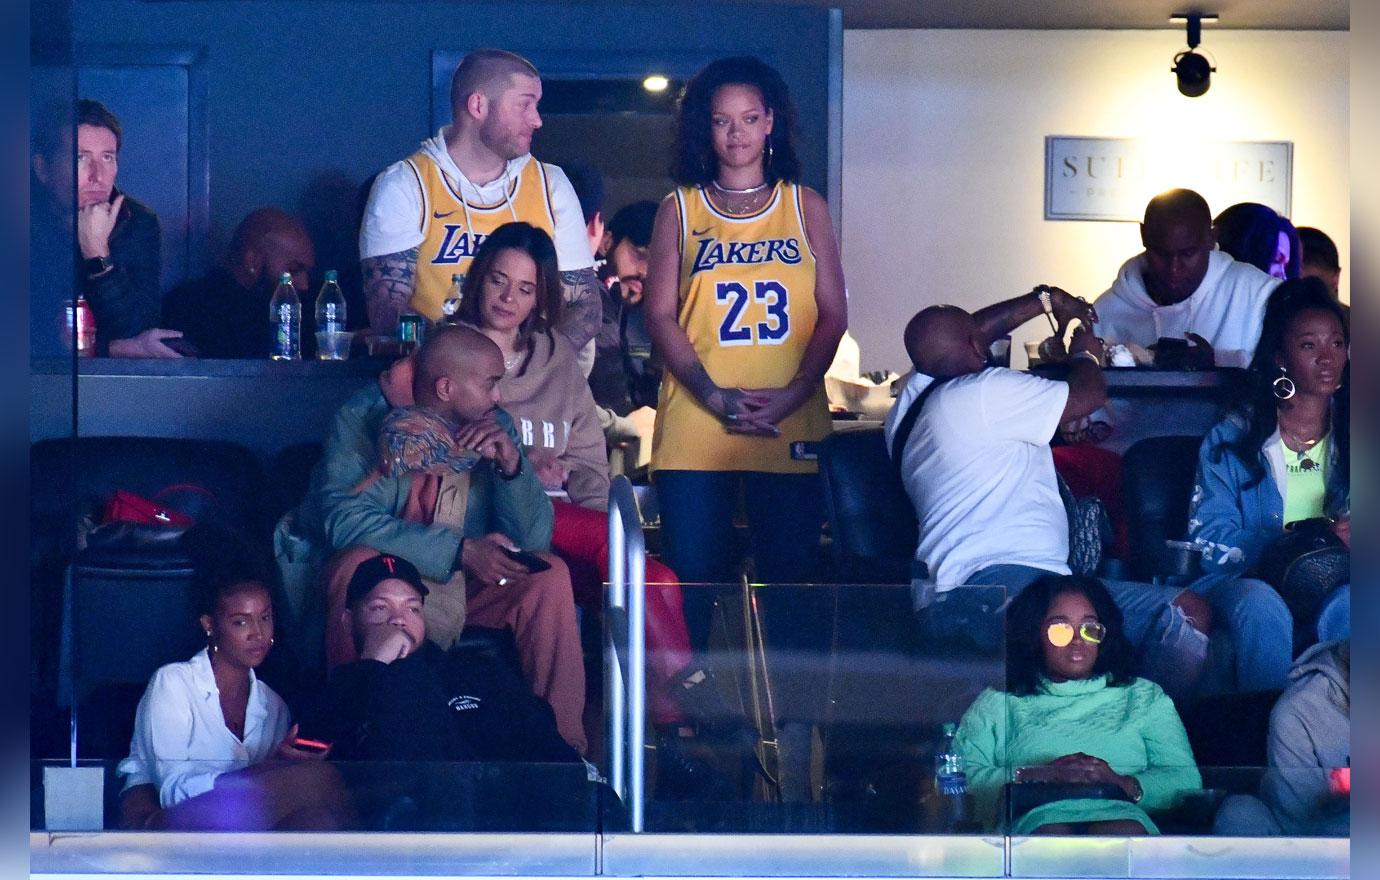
{"x":1283,"y":387}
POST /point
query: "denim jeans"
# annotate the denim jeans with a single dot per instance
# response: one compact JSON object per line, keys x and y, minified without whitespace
{"x":1260,"y":626}
{"x":785,"y":514}
{"x":1169,"y":651}
{"x":1334,"y":618}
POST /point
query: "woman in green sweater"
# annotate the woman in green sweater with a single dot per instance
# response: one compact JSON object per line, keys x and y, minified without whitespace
{"x":1073,"y":713}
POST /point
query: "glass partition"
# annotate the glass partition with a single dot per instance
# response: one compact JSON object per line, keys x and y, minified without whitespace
{"x":821,"y":709}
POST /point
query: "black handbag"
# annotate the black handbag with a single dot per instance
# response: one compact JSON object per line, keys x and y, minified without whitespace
{"x":1305,"y":565}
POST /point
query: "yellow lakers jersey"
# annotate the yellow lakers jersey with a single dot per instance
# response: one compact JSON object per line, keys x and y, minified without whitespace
{"x":454,"y":230}
{"x":747,"y":302}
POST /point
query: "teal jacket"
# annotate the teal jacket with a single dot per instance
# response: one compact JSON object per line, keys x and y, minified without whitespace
{"x":335,"y":514}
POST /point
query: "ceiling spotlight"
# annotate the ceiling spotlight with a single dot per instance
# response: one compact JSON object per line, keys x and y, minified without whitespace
{"x":1192,"y":70}
{"x":656,"y":83}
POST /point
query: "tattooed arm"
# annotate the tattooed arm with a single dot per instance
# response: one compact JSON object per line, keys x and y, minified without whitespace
{"x":584,"y":309}
{"x":389,"y":281}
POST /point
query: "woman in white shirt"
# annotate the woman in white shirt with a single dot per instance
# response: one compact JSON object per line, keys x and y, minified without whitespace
{"x":213,"y":745}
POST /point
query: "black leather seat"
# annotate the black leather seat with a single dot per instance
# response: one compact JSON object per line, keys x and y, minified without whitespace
{"x":1157,"y":487}
{"x":144,"y":465}
{"x":872,"y":521}
{"x":130,"y":608}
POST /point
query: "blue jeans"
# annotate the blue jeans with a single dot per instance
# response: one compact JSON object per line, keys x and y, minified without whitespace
{"x":1260,"y":626}
{"x":1334,"y":617}
{"x":785,"y":515}
{"x":1169,"y":651}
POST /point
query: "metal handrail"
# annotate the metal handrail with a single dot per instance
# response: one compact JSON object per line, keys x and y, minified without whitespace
{"x":625,"y":650}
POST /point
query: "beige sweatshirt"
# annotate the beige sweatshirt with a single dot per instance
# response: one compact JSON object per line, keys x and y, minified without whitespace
{"x":551,"y":404}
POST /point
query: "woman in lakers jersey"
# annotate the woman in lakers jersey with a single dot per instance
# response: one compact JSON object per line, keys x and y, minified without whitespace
{"x":745,"y":302}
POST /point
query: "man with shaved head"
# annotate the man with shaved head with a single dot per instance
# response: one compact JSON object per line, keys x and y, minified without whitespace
{"x":971,"y":443}
{"x":1182,"y":285}
{"x":225,"y":314}
{"x":428,"y":214}
{"x":425,"y":465}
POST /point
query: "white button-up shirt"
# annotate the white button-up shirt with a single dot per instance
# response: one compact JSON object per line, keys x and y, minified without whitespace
{"x":181,"y":743}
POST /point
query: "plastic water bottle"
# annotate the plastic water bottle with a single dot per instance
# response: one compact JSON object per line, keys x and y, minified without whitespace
{"x":330,"y":306}
{"x":451,"y":304}
{"x":285,"y":317}
{"x":950,"y":780}
{"x":330,"y":321}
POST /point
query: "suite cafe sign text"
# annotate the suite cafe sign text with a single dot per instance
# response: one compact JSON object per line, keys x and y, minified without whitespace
{"x":1113,"y":178}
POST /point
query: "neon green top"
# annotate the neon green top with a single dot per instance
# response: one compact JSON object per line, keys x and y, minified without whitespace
{"x":1305,"y":489}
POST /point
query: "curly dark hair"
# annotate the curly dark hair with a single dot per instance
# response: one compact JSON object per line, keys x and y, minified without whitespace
{"x":1259,"y":408}
{"x":1250,"y":233}
{"x":535,"y":243}
{"x":695,"y":163}
{"x":1025,"y":617}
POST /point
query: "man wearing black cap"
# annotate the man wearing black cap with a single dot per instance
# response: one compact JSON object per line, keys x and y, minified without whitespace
{"x":405,"y":699}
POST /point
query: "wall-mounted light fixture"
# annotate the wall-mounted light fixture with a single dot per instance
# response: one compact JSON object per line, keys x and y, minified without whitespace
{"x":1192,"y":70}
{"x":656,"y":83}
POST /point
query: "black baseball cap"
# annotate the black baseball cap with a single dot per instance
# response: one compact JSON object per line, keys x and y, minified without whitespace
{"x":377,"y":569}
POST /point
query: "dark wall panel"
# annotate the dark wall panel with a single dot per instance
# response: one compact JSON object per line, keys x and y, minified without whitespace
{"x":307,"y":100}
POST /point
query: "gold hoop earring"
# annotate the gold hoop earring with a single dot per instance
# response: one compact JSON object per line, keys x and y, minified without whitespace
{"x":1283,"y":387}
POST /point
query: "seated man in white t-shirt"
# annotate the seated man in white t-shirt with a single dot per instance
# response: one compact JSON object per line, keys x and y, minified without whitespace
{"x":1181,"y":284}
{"x":978,"y":468}
{"x":428,"y":214}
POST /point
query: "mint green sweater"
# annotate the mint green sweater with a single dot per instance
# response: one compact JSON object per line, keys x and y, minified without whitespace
{"x":1134,"y":728}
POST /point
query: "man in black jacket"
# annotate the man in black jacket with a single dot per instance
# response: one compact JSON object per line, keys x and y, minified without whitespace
{"x":406,"y":699}
{"x":118,"y":240}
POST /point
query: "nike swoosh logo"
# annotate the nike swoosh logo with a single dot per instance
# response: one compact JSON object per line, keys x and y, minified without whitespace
{"x":699,"y":231}
{"x":439,"y":215}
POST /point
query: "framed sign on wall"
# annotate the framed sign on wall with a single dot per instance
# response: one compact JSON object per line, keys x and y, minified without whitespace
{"x":1112,"y":178}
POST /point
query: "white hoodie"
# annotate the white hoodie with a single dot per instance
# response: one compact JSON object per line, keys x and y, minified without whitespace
{"x":1227,"y":309}
{"x":395,"y":202}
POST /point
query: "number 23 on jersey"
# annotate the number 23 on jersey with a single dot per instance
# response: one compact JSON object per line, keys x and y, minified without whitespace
{"x":736,"y":296}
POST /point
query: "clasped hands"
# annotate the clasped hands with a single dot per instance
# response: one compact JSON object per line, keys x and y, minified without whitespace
{"x":755,"y":412}
{"x":1078,"y":767}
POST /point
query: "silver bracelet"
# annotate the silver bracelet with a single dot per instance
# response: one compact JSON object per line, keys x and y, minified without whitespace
{"x":1089,"y":355}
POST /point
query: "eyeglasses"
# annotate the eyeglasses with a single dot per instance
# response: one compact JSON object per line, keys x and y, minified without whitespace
{"x":1060,"y":635}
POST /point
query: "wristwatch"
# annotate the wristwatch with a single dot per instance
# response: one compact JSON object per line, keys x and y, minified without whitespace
{"x":1045,"y":300}
{"x":97,"y":266}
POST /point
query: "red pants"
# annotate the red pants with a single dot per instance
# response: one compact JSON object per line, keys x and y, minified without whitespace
{"x":538,"y":611}
{"x":581,"y":538}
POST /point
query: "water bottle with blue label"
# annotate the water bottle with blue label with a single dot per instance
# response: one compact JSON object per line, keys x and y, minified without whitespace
{"x":950,"y":781}
{"x":285,"y":318}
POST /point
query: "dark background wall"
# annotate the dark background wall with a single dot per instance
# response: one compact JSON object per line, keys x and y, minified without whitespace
{"x":307,"y":100}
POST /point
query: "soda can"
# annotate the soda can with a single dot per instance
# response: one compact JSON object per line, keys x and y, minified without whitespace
{"x":410,"y":329}
{"x":78,"y":313}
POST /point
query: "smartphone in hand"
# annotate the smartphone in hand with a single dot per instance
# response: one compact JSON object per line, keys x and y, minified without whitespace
{"x":530,"y":561}
{"x":314,"y":746}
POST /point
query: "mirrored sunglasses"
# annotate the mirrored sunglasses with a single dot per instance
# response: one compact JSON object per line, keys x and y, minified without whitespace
{"x":1060,"y":635}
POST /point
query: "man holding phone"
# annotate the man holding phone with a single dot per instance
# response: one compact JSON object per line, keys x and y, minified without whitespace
{"x":405,"y":699}
{"x":119,"y":242}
